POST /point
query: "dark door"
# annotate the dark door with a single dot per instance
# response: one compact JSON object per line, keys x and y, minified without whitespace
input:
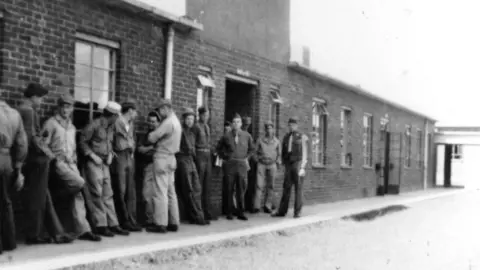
{"x":386,"y":165}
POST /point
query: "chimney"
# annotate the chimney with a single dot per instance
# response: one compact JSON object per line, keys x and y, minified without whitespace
{"x":306,"y":56}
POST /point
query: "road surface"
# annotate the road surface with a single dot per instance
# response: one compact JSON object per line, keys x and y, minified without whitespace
{"x":436,"y":234}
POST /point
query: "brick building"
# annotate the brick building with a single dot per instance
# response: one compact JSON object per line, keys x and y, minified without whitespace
{"x":233,"y":56}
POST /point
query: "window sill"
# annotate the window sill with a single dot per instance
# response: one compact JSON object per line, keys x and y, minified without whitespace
{"x":318,"y":166}
{"x":366,"y":167}
{"x":346,"y":167}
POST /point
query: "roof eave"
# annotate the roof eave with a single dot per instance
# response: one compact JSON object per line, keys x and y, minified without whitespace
{"x":311,"y":72}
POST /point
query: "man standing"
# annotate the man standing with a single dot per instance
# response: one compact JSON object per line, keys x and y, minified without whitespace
{"x":189,"y":189}
{"x":236,"y":147}
{"x":96,"y":145}
{"x":294,"y":157}
{"x":59,"y":135}
{"x":204,"y":159}
{"x":252,"y":170}
{"x":13,"y":151}
{"x":167,"y":143}
{"x":268,"y":155}
{"x":146,"y":151}
{"x":227,"y":127}
{"x":123,"y":168}
{"x":39,"y":209}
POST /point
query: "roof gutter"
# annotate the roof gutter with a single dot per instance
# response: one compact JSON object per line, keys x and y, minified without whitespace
{"x":310,"y":72}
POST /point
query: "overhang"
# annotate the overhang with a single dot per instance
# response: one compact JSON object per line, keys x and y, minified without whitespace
{"x":463,"y":138}
{"x":183,"y":23}
{"x":313,"y":73}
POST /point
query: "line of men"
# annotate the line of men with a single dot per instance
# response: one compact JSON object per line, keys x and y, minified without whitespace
{"x":178,"y":166}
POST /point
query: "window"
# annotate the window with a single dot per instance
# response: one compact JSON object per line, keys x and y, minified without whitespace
{"x":457,"y":151}
{"x":94,"y":84}
{"x":274,"y":109}
{"x":319,"y":133}
{"x":419,"y":148}
{"x":383,"y":129}
{"x":204,"y":87}
{"x":408,"y":146}
{"x":346,"y":137}
{"x":367,"y":140}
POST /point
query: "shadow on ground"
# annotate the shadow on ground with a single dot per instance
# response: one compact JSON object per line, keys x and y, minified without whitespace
{"x":376,"y":213}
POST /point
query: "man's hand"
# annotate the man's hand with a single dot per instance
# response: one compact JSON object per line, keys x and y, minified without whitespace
{"x":96,"y":159}
{"x":301,"y":172}
{"x":109,"y":158}
{"x":19,"y":180}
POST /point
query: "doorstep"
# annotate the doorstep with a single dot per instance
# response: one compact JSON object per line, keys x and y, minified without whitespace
{"x":81,"y":252}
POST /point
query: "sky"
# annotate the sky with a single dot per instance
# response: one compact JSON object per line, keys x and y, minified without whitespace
{"x":423,"y":54}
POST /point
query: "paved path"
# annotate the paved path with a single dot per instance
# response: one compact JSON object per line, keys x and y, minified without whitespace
{"x":441,"y":234}
{"x":80,"y":252}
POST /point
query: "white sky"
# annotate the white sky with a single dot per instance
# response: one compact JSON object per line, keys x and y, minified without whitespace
{"x":424,"y":54}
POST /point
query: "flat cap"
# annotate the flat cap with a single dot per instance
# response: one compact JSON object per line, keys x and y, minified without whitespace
{"x":269,"y":124}
{"x":202,"y":110}
{"x":188,"y":111}
{"x":165,"y":102}
{"x":35,"y":89}
{"x":113,"y":107}
{"x":129,"y":104}
{"x":65,"y":99}
{"x":293,"y":120}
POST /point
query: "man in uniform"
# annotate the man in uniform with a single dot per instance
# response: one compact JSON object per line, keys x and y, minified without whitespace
{"x":167,"y":143}
{"x":39,"y":209}
{"x":268,"y":155}
{"x":236,"y":147}
{"x":227,"y":127}
{"x":252,"y":170}
{"x":189,"y":189}
{"x":13,"y":151}
{"x":96,"y":145}
{"x":59,"y":136}
{"x":294,"y":157}
{"x":146,"y":151}
{"x":204,"y":159}
{"x":123,"y":168}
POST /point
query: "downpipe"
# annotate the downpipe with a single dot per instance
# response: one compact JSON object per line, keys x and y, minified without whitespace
{"x":167,"y":93}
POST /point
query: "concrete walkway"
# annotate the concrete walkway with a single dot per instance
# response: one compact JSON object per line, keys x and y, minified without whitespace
{"x":80,"y":252}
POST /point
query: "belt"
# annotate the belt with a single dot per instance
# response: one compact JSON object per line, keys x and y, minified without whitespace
{"x":203,"y":149}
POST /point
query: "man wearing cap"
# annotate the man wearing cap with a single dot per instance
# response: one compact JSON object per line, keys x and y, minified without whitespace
{"x":146,"y":151}
{"x":252,"y":168}
{"x":13,"y":151}
{"x":189,"y":189}
{"x":123,"y":168}
{"x":236,"y":147}
{"x":268,"y":156}
{"x":96,"y":144}
{"x":167,"y":139}
{"x":59,"y":136}
{"x":204,"y":158}
{"x":294,"y":157}
{"x":227,"y":127}
{"x":40,"y":213}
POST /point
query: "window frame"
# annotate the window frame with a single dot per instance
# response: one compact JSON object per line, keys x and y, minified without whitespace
{"x":207,"y":91}
{"x":408,"y":146}
{"x":346,"y":137}
{"x":368,"y":140}
{"x":274,"y":107}
{"x":112,"y":47}
{"x":319,"y":130}
{"x":420,"y":146}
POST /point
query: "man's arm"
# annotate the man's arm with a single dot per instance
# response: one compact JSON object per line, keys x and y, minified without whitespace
{"x":85,"y":136}
{"x":304,"y":151}
{"x":160,"y":132}
{"x":47,"y":133}
{"x":279,"y":152}
{"x":251,"y":147}
{"x":20,"y":145}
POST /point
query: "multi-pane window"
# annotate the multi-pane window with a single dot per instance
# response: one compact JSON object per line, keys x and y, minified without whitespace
{"x":346,"y":137}
{"x":94,"y":85}
{"x":319,"y":133}
{"x":419,"y":148}
{"x":274,"y":108}
{"x":408,"y":146}
{"x":367,"y":140}
{"x":204,"y":87}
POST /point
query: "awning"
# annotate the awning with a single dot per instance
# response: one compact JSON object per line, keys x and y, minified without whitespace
{"x":182,"y":23}
{"x":206,"y":81}
{"x":276,"y":98}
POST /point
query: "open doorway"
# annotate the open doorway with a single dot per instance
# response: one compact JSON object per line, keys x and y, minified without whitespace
{"x":239,"y":98}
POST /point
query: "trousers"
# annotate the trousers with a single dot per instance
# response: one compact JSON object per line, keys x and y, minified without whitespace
{"x":123,"y":180}
{"x":237,"y":178}
{"x":204,"y":167}
{"x":189,"y":189}
{"x":265,"y":181}
{"x":292,"y":179}
{"x":7,"y":222}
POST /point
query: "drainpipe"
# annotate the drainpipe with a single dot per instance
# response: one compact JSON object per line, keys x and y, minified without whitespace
{"x":169,"y":63}
{"x":425,"y":156}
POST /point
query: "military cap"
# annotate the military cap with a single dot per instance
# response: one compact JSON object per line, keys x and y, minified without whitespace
{"x":202,"y":110}
{"x":35,"y":89}
{"x":293,"y":120}
{"x":268,"y":124}
{"x":113,"y":107}
{"x":247,"y":119}
{"x":129,"y":104}
{"x":227,"y":123}
{"x":187,"y":112}
{"x":65,"y":99}
{"x":165,"y":102}
{"x":235,"y":116}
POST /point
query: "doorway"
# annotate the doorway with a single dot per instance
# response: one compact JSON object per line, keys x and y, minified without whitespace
{"x":383,"y":167}
{"x":239,"y":98}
